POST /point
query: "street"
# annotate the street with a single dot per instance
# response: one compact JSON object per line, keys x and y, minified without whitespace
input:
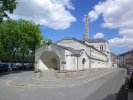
{"x":108,"y":87}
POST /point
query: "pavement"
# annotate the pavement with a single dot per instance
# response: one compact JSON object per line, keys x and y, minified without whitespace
{"x":53,"y":82}
{"x":109,"y":85}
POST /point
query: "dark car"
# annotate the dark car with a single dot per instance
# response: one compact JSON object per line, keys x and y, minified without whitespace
{"x":130,"y":81}
{"x":4,"y":67}
{"x":27,"y":67}
{"x":16,"y":67}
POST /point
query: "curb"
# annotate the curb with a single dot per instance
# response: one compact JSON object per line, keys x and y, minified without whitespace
{"x":13,"y":84}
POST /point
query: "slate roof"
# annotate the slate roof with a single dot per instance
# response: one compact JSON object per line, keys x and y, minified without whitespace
{"x":96,"y":40}
{"x":77,"y":52}
{"x":80,"y":41}
{"x":128,"y":52}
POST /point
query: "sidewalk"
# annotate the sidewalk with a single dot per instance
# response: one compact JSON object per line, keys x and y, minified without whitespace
{"x":55,"y":83}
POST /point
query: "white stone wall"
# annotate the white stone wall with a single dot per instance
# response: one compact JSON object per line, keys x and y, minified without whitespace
{"x":105,"y":51}
{"x":75,"y":63}
{"x":102,"y":58}
{"x":41,"y":66}
{"x":97,"y":45}
{"x":99,"y":60}
{"x":71,"y":61}
{"x":98,"y":55}
{"x":86,"y":65}
{"x":98,"y":64}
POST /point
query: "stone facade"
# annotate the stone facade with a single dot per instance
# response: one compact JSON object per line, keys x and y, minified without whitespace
{"x":70,"y":54}
{"x":98,"y":58}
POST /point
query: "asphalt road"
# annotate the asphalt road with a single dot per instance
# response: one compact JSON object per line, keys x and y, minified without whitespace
{"x":109,"y":87}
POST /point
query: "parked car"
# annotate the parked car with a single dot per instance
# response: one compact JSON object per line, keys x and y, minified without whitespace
{"x":27,"y":67}
{"x":4,"y":67}
{"x":16,"y":67}
{"x":130,"y":81}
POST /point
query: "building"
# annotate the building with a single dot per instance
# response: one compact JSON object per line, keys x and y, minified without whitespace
{"x":73,"y":54}
{"x":114,"y":60}
{"x":125,"y":59}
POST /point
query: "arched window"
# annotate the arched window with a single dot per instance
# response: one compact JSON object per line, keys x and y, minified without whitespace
{"x":83,"y":62}
{"x":101,"y":48}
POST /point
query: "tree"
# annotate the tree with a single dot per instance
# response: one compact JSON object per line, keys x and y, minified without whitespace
{"x":20,"y":36}
{"x":6,"y":6}
{"x":31,"y":37}
{"x":46,"y":41}
{"x":9,"y":35}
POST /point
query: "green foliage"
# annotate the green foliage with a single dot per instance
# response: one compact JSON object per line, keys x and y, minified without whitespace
{"x":46,"y":41}
{"x":6,"y":6}
{"x":18,"y":57}
{"x":19,"y":37}
{"x":9,"y":35}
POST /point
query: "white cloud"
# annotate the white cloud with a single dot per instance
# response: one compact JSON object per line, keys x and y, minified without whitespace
{"x":121,"y":42}
{"x":117,"y":14}
{"x":98,"y":36}
{"x":51,"y":13}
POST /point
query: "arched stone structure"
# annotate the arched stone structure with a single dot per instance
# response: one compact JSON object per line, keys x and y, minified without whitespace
{"x":50,"y":57}
{"x":51,"y":60}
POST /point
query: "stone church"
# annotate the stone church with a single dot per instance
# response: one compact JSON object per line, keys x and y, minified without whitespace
{"x":74,"y":54}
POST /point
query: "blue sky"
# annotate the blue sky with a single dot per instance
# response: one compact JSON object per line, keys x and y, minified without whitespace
{"x":64,"y":18}
{"x":77,"y":28}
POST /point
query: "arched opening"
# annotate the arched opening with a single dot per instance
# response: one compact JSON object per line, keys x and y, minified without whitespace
{"x":101,"y":48}
{"x":51,"y":60}
{"x":83,"y":63}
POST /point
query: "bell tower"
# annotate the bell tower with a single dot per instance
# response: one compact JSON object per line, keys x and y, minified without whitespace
{"x":86,"y":34}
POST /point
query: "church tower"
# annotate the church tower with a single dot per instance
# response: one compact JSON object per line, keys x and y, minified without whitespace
{"x":86,"y":34}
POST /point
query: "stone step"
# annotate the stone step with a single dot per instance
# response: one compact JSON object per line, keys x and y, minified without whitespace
{"x":48,"y":73}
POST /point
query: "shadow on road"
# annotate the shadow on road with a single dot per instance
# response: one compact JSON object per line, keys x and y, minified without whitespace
{"x":7,"y":73}
{"x":121,"y":95}
{"x":3,"y":74}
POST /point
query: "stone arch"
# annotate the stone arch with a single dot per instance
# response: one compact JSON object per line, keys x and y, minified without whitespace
{"x":51,"y":59}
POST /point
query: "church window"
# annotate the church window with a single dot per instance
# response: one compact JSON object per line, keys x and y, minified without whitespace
{"x":101,"y":48}
{"x":83,"y":61}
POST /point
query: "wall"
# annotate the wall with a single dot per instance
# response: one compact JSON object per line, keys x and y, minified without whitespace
{"x":128,"y":59}
{"x":86,"y":64}
{"x":101,"y":61}
{"x":71,"y":61}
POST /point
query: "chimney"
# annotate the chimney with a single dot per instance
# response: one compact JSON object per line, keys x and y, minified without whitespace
{"x":86,"y":35}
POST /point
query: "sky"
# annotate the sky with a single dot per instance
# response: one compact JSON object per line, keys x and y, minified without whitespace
{"x":108,"y":19}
